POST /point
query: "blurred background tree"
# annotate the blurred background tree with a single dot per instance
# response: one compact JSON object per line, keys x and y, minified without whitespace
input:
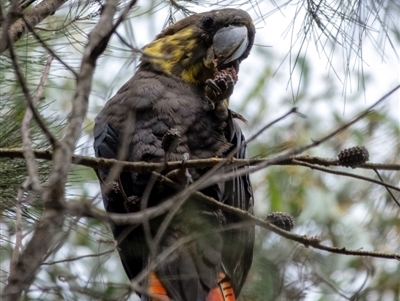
{"x":331,"y":59}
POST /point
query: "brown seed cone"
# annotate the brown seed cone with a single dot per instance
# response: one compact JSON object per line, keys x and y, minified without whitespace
{"x":353,"y":156}
{"x":281,"y":219}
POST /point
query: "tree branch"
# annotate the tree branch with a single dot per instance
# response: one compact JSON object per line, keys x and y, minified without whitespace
{"x":25,"y":131}
{"x":54,"y":212}
{"x":15,"y":31}
{"x":144,"y":167}
{"x":298,"y":150}
{"x":83,"y":209}
{"x":346,"y":174}
{"x":18,"y":224}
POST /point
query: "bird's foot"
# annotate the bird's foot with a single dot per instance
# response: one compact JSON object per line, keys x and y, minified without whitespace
{"x":181,"y":176}
{"x":221,"y":86}
{"x":219,"y":89}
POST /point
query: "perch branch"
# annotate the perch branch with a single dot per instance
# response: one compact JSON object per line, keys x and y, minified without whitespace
{"x":144,"y":167}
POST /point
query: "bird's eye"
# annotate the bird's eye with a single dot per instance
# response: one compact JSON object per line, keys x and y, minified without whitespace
{"x":208,"y":22}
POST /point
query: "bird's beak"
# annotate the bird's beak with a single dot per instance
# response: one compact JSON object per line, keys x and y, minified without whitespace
{"x":229,"y":44}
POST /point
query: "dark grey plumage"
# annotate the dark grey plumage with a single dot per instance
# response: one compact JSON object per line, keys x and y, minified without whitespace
{"x":144,"y":110}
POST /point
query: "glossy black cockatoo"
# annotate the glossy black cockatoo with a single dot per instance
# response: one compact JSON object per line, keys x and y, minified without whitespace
{"x":175,"y":108}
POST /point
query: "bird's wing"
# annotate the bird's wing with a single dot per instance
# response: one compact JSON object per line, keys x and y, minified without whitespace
{"x":131,"y":244}
{"x":237,"y":254}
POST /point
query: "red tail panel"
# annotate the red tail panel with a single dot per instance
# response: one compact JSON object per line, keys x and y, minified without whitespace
{"x":156,"y":288}
{"x":223,"y":292}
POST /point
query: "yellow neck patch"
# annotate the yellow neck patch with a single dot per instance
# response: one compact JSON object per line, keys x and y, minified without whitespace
{"x":181,"y":55}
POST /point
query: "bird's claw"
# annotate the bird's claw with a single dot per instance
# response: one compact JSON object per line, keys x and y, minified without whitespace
{"x":185,"y":157}
{"x":219,"y":89}
{"x":186,"y":178}
{"x":221,"y":86}
{"x":182,"y":175}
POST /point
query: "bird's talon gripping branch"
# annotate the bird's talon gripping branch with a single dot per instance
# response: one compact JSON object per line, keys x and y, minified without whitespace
{"x":185,"y":158}
{"x":181,"y":175}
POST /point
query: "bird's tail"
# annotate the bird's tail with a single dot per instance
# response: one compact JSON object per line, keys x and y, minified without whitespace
{"x":156,"y":288}
{"x":223,"y":292}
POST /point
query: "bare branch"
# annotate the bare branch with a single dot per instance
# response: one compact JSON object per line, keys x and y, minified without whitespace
{"x":264,"y":128}
{"x":31,"y":258}
{"x":301,"y":149}
{"x":33,"y":174}
{"x":245,"y":217}
{"x":145,"y":167}
{"x":54,"y":213}
{"x":346,"y":174}
{"x":18,"y":224}
{"x":49,"y":50}
{"x":82,"y":257}
{"x":25,"y":131}
{"x":303,"y":239}
{"x":387,"y":188}
{"x":41,"y":11}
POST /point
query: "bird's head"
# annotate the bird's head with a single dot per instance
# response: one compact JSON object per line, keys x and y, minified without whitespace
{"x":197,"y":47}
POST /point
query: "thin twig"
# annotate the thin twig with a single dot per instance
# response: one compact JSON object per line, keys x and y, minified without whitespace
{"x":18,"y":224}
{"x":387,"y":188}
{"x":81,"y":257}
{"x":49,"y":50}
{"x":28,"y":97}
{"x":33,"y":170}
{"x":264,"y":128}
{"x":244,"y":216}
{"x":298,"y":150}
{"x":347,"y":174}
